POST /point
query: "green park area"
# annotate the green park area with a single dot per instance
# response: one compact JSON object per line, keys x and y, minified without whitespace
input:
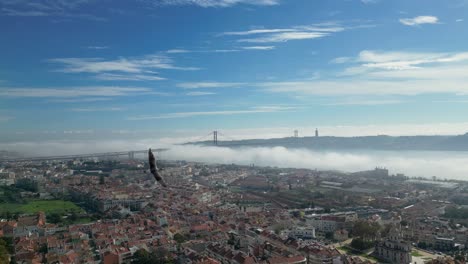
{"x":57,"y":211}
{"x":47,"y":206}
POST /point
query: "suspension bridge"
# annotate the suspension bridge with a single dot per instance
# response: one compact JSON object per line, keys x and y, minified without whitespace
{"x":211,"y":139}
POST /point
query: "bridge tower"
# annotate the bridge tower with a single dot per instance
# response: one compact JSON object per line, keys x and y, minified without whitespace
{"x":215,"y":138}
{"x":131,"y":155}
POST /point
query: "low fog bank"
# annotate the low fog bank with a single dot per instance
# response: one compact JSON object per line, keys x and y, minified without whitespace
{"x":451,"y":165}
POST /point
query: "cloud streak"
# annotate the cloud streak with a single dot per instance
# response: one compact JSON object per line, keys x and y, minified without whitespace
{"x":419,"y":20}
{"x":218,"y":3}
{"x":259,"y":48}
{"x":198,"y":85}
{"x":199,"y":93}
{"x":254,"y":110}
{"x":386,"y":73}
{"x":125,"y":65}
{"x":73,"y":92}
{"x":47,"y":8}
{"x":286,"y":34}
{"x":102,"y":109}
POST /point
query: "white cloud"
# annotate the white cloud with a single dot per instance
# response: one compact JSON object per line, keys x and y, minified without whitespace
{"x":97,"y":91}
{"x":265,"y":109}
{"x":419,"y":20}
{"x":366,"y":87}
{"x":128,"y":77}
{"x":101,"y":109}
{"x":126,"y":65}
{"x":258,"y":31}
{"x":196,"y":85}
{"x":218,"y":3}
{"x":340,"y":60}
{"x":259,"y":48}
{"x":178,"y":51}
{"x":286,"y":34}
{"x":199,"y":93}
{"x":80,"y":100}
{"x":97,"y":47}
{"x":459,"y":20}
{"x":366,"y":102}
{"x":43,"y":8}
{"x":387,"y":73}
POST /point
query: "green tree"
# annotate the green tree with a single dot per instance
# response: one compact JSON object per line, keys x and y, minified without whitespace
{"x":54,"y":218}
{"x":141,"y":257}
{"x":4,"y":256}
{"x":365,"y":230}
{"x":43,"y":249}
{"x":179,"y":238}
{"x":361,"y":244}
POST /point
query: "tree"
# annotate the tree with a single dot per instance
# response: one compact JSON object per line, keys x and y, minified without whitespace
{"x":365,"y":230}
{"x":43,"y":249}
{"x":141,"y":257}
{"x":361,"y":244}
{"x":4,"y":256}
{"x":54,"y":218}
{"x":73,"y":216}
{"x":179,"y":238}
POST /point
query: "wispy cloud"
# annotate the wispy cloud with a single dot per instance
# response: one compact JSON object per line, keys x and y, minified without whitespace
{"x":128,"y":77}
{"x":97,"y":47}
{"x":273,"y":35}
{"x":365,"y":102}
{"x":72,"y":92}
{"x":126,"y":65}
{"x":181,"y":51}
{"x":178,"y":51}
{"x":459,"y":20}
{"x":80,"y":100}
{"x":101,"y":109}
{"x":388,"y":73}
{"x":122,"y":69}
{"x":340,"y":60}
{"x":263,"y":109}
{"x":46,"y":8}
{"x":419,"y":20}
{"x":217,"y":3}
{"x":259,"y":48}
{"x":196,"y":85}
{"x":407,"y":60}
{"x":199,"y":93}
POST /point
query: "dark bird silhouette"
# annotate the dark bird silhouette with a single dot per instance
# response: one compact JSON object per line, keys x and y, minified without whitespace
{"x":154,"y":168}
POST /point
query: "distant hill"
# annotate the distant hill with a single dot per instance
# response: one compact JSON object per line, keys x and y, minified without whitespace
{"x":447,"y":143}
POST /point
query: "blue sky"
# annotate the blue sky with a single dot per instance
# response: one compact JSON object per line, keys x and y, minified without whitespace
{"x":87,"y":68}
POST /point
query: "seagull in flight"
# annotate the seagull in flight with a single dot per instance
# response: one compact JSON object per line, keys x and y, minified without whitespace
{"x":154,"y":169}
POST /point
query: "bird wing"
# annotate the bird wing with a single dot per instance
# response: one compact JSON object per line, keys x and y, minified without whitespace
{"x":154,"y":168}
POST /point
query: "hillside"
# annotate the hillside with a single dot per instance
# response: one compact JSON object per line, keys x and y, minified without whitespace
{"x":446,"y":143}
